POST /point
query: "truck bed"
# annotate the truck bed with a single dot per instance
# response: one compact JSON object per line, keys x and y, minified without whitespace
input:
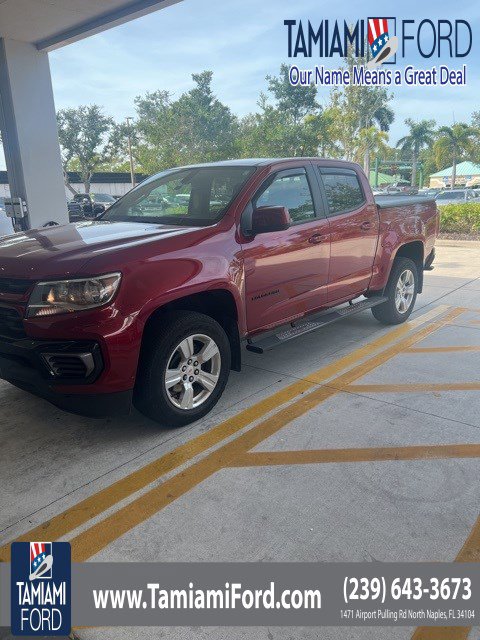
{"x":388,"y":201}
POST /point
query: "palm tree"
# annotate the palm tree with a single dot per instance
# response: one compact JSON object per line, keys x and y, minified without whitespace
{"x":455,"y":141}
{"x":372,"y":109}
{"x":370,"y":140}
{"x":420,"y":135}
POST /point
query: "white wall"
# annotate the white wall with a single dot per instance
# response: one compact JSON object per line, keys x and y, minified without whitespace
{"x":112,"y":188}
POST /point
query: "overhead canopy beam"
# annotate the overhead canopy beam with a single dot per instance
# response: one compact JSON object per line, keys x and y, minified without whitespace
{"x":103,"y":22}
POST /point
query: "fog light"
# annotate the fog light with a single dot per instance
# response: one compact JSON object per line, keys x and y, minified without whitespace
{"x":69,"y":365}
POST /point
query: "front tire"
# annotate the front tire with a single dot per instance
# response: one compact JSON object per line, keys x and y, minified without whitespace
{"x":183,"y":370}
{"x":401,"y":291}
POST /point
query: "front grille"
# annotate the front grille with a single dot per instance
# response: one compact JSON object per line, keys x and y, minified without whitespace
{"x":11,"y":325}
{"x":17,"y":287}
{"x":70,"y":365}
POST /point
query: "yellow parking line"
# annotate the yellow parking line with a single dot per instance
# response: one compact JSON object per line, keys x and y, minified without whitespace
{"x":414,"y":388}
{"x":101,"y":534}
{"x":99,"y":502}
{"x":441,"y":633}
{"x":470,"y":552}
{"x":375,"y":454}
{"x":442,"y":349}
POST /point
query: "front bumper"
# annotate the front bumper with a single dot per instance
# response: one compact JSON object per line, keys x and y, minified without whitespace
{"x":44,"y":367}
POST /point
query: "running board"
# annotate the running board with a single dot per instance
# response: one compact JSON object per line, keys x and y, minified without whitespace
{"x":299,"y":329}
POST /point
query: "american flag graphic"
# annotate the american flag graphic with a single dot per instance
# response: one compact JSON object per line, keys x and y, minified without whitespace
{"x":377,"y":34}
{"x":39,"y":552}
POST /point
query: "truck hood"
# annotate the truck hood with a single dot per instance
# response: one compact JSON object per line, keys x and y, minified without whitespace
{"x":64,"y":250}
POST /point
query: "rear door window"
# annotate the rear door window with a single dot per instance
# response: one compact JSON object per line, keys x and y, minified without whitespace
{"x":343,"y":191}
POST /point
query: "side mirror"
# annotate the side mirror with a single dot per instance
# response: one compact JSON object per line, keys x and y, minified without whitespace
{"x":269,"y":219}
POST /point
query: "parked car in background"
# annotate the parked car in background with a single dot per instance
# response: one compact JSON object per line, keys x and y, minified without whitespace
{"x":88,"y":205}
{"x":6,"y":223}
{"x":476,"y":191}
{"x":399,"y":187}
{"x":454,"y":196}
{"x":161,"y":291}
{"x":429,"y":192}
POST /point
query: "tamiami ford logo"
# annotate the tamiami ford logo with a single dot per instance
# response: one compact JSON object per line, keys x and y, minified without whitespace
{"x":377,"y":43}
{"x":383,"y":46}
{"x":40,"y":589}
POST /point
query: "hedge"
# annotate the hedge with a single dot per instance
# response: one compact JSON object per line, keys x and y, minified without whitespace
{"x":460,"y":218}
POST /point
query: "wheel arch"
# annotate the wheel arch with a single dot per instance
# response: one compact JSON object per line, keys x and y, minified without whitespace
{"x":414,"y":250}
{"x":218,"y":304}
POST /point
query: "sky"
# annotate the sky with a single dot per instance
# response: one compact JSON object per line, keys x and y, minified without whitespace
{"x":242,"y":41}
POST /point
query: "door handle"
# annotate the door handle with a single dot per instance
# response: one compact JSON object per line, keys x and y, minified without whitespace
{"x":317,"y":238}
{"x":365,"y":226}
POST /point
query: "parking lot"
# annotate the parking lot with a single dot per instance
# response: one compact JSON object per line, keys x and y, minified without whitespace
{"x":357,"y":442}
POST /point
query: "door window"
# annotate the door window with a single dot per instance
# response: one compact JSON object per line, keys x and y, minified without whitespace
{"x":344,"y":192}
{"x":291,"y":191}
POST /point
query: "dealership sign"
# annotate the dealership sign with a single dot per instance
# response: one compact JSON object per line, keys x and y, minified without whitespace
{"x":40,"y":589}
{"x":382,"y":41}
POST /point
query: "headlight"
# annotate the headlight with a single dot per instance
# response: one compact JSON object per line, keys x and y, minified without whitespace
{"x":66,"y":296}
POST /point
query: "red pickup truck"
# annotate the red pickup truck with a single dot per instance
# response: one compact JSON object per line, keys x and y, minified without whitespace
{"x":152,"y":301}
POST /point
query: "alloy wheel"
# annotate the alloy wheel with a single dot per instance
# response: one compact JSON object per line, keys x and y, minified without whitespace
{"x":405,"y":290}
{"x":193,"y":371}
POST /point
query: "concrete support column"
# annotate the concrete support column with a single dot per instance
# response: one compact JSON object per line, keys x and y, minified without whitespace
{"x":29,"y":132}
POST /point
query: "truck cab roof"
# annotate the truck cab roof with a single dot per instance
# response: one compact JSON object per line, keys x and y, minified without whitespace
{"x":261,"y":162}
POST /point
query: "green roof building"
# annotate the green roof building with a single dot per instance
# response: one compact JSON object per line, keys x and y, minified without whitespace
{"x":383,"y":179}
{"x":467,"y":174}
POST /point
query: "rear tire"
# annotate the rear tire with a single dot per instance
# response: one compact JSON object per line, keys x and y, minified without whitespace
{"x":401,"y":291}
{"x":183,"y":369}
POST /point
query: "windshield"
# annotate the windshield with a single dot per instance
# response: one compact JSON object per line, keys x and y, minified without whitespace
{"x":453,"y":195}
{"x":196,"y":197}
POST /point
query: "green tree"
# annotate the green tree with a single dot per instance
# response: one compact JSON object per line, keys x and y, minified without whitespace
{"x":370,"y":140}
{"x":295,"y":102}
{"x":454,"y":143}
{"x":210,"y":126}
{"x":271,"y":133}
{"x":325,"y":131}
{"x":284,"y":124}
{"x":195,"y":128}
{"x":117,"y":146}
{"x":83,"y":134}
{"x":421,"y":134}
{"x":475,"y":125}
{"x":359,"y":107}
{"x":159,"y":143}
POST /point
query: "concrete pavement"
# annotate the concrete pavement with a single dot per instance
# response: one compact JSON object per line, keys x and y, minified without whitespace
{"x":318,"y":480}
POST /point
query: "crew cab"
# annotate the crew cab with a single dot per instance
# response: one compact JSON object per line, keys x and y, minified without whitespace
{"x":153,"y":302}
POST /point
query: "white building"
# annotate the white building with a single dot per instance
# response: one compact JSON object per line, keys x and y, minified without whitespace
{"x":29,"y":29}
{"x":115,"y":184}
{"x":467,"y":174}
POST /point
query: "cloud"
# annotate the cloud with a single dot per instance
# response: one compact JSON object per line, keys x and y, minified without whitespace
{"x":241,"y":41}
